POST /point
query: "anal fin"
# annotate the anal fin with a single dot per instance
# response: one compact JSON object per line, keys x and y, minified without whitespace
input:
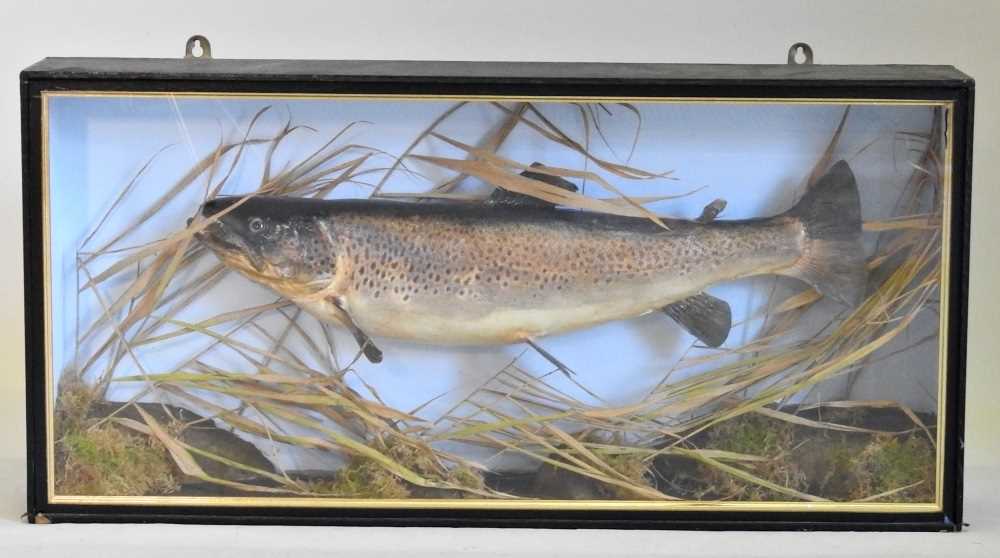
{"x":706,"y":317}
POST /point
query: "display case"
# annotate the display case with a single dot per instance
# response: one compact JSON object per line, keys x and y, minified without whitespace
{"x":496,"y":294}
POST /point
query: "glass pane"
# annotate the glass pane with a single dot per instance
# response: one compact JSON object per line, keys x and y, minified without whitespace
{"x":597,"y":300}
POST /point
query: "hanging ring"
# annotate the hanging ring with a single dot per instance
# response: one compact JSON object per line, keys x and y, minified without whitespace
{"x":806,"y":51}
{"x":200,"y":42}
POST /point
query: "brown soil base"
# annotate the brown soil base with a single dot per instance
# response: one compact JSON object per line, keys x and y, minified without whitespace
{"x":833,"y":465}
{"x":95,"y":457}
{"x":839,"y":466}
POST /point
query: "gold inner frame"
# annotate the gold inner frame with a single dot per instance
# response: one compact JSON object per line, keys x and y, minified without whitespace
{"x":414,"y":503}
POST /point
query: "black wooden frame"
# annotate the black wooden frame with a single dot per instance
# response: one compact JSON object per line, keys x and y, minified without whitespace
{"x":934,"y":83}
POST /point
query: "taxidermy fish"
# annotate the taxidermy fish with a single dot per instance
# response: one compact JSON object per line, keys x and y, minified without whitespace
{"x":515,"y":268}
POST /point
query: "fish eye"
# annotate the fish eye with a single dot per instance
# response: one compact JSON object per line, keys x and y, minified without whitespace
{"x":256,"y":225}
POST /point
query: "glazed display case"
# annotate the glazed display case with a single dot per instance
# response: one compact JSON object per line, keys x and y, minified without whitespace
{"x":496,"y":294}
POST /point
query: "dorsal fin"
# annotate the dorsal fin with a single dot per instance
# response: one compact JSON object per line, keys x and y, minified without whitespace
{"x":504,"y":197}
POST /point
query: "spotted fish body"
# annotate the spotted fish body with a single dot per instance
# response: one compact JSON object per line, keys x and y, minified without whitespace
{"x":452,"y":273}
{"x":434,"y":274}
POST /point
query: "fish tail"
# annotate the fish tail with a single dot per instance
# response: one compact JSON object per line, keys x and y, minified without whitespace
{"x":833,"y":259}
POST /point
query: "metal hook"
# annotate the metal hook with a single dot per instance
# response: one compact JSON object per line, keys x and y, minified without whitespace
{"x":200,"y":41}
{"x":805,"y":49}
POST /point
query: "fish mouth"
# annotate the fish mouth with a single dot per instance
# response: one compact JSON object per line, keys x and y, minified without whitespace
{"x":223,"y":237}
{"x":216,"y":233}
{"x":220,"y":243}
{"x":224,"y":243}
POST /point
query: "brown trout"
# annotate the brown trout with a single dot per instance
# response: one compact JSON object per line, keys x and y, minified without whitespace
{"x":514,"y":268}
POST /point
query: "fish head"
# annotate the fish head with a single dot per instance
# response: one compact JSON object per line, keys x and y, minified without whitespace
{"x":260,"y":237}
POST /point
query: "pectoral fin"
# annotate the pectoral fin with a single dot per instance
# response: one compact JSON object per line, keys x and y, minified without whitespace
{"x":706,"y":317}
{"x":368,"y":348}
{"x":365,"y":343}
{"x":504,"y":197}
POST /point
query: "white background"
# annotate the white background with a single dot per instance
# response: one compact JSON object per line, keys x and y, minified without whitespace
{"x":961,"y":33}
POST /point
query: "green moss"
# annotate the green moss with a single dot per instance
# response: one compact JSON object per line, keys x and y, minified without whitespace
{"x":105,"y":460}
{"x":833,"y":468}
{"x":109,"y":461}
{"x":757,"y":435}
{"x":362,"y":478}
{"x":365,"y":478}
{"x":467,"y":477}
{"x":837,"y":465}
{"x":891,"y":462}
{"x":414,"y":457}
{"x":753,"y":435}
{"x":72,"y":407}
{"x":632,"y":466}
